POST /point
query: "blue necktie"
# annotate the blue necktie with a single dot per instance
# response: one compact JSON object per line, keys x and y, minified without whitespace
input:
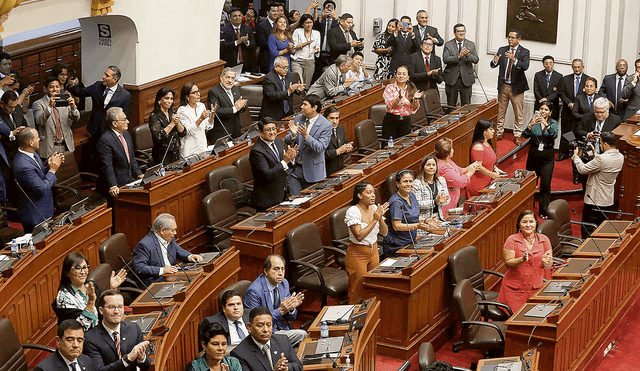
{"x":276,"y":298}
{"x":72,"y":366}
{"x":575,"y":92}
{"x":238,"y":329}
{"x":591,"y":102}
{"x":619,"y":90}
{"x":548,"y":77}
{"x":286,"y":101}
{"x":459,"y":47}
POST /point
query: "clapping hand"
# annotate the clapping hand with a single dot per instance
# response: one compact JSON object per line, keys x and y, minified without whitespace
{"x":240,"y":103}
{"x":525,"y":256}
{"x":290,"y":154}
{"x":418,"y":94}
{"x":547,"y":259}
{"x":293,"y":127}
{"x":117,"y":279}
{"x":380,"y":211}
{"x":442,"y":198}
{"x":282,"y":363}
{"x":302,"y":129}
{"x":433,"y":72}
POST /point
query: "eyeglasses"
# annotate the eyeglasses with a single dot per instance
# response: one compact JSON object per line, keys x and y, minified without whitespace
{"x":271,"y":130}
{"x":114,"y":307}
{"x":81,"y":268}
{"x":195,"y":92}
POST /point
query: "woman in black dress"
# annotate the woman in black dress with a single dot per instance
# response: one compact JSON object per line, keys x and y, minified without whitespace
{"x":165,"y":127}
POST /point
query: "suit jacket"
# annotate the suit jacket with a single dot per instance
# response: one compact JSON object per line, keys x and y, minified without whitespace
{"x":147,"y":257}
{"x":632,"y":93}
{"x":402,"y":49}
{"x":253,"y":359}
{"x":120,"y":98}
{"x":462,"y":67}
{"x":567,"y":93}
{"x":230,"y":120}
{"x":258,"y":294}
{"x":229,"y":49}
{"x":329,"y":84}
{"x":311,"y":150}
{"x":54,"y":362}
{"x":263,"y":30}
{"x":603,"y":171}
{"x":6,"y":161}
{"x":11,"y":146}
{"x":608,"y":89}
{"x":45,"y":123}
{"x":269,"y":176}
{"x":581,"y":106}
{"x":273,"y":95}
{"x":333,"y":160}
{"x":418,"y":71}
{"x":117,"y":170}
{"x":540,"y":90}
{"x":221,"y":319}
{"x":518,"y":79}
{"x":100,"y":347}
{"x":36,"y":180}
{"x":322,"y":25}
{"x":588,"y":124}
{"x":432,"y":31}
{"x":338,"y":43}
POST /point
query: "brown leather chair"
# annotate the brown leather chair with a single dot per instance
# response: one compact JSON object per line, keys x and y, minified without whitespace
{"x":111,"y":249}
{"x":101,"y":275}
{"x":477,"y":334}
{"x":434,"y":108}
{"x":561,"y":249}
{"x":221,"y":215}
{"x":339,"y":232}
{"x":419,"y":119}
{"x":427,"y":357}
{"x":253,"y":94}
{"x":307,"y":259}
{"x":388,"y":188}
{"x":12,"y":352}
{"x":367,"y":140}
{"x":465,"y":264}
{"x":245,"y":121}
{"x":223,"y":175}
{"x":244,"y":168}
{"x":377,"y":113}
{"x":69,"y":187}
{"x":240,"y":287}
{"x":143,"y":145}
{"x":560,"y":212}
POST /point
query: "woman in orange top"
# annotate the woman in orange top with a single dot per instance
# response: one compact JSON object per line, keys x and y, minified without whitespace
{"x":402,"y":99}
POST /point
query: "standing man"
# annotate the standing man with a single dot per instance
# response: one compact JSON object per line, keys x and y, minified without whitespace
{"x":612,"y":86}
{"x":459,"y":56}
{"x":278,"y":88}
{"x":545,"y":86}
{"x":311,"y":133}
{"x":237,"y":44}
{"x":263,"y":30}
{"x":68,"y":356}
{"x":631,"y":92}
{"x":405,"y":43}
{"x":339,"y":145}
{"x":232,"y":316}
{"x":568,"y":89}
{"x":11,"y":114}
{"x":228,"y":103}
{"x":425,"y":67}
{"x":343,"y":40}
{"x":513,"y":61}
{"x":425,"y":31}
{"x":328,"y":21}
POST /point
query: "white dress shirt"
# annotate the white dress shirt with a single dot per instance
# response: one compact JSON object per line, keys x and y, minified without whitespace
{"x":195,"y":142}
{"x":300,"y":38}
{"x":234,"y":338}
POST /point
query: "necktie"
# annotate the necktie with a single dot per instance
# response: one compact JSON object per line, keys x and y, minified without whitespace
{"x":422,"y":30}
{"x":124,"y":144}
{"x":548,"y":78}
{"x":508,"y":77}
{"x":72,"y":366}
{"x":426,"y":65}
{"x":575,"y":91}
{"x":275,"y":149}
{"x":459,"y":47}
{"x":115,"y":340}
{"x":335,"y":134}
{"x":107,"y":96}
{"x":347,"y":37}
{"x":239,"y":330}
{"x":56,"y":116}
{"x":591,"y":102}
{"x":276,"y":298}
{"x":327,"y":27}
{"x":240,"y":59}
{"x":265,"y":350}
{"x":597,"y":130}
{"x":619,"y":90}
{"x":286,"y":101}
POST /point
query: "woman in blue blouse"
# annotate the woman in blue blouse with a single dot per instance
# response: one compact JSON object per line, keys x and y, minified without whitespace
{"x":214,"y":339}
{"x":280,"y":41}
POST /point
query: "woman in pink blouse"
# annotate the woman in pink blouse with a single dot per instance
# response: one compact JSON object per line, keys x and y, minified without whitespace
{"x":482,"y":151}
{"x":455,"y":176}
{"x":402,"y":99}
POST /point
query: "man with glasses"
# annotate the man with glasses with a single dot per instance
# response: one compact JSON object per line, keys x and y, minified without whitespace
{"x":425,"y":67}
{"x":228,"y":103}
{"x":115,"y":344}
{"x":278,"y":89}
{"x":68,"y":356}
{"x":459,"y":56}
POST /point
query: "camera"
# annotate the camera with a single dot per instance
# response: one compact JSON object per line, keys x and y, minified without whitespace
{"x":62,"y":100}
{"x":586,"y":153}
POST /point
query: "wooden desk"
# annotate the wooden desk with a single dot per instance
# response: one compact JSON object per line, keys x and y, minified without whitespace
{"x":593,"y":247}
{"x":627,"y":186}
{"x":576,"y":268}
{"x":27,"y":295}
{"x":541,"y":296}
{"x":356,"y":108}
{"x":611,"y":229}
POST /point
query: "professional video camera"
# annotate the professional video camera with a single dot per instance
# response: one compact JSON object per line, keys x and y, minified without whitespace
{"x":586,"y":151}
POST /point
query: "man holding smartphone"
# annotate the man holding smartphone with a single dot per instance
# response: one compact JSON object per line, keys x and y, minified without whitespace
{"x":343,"y":40}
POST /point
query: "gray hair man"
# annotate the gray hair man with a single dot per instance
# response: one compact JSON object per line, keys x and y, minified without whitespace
{"x":333,"y":81}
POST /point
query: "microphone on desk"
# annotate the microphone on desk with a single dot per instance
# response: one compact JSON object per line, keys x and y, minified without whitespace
{"x":167,"y":151}
{"x":593,"y":239}
{"x":181,"y":268}
{"x":164,"y":310}
{"x":606,"y":217}
{"x":413,"y":242}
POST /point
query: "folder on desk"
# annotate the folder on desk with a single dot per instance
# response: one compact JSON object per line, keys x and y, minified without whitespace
{"x":510,"y":366}
{"x":342,"y":312}
{"x":168,"y":291}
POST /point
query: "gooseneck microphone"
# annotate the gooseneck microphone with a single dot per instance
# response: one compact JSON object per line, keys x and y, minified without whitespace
{"x":164,"y":310}
{"x":167,"y":151}
{"x":413,"y":242}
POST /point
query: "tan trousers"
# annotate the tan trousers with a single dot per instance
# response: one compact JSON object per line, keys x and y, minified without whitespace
{"x":517,"y":102}
{"x":359,"y":260}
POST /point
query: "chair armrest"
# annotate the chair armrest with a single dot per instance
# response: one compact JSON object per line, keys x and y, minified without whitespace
{"x":244,"y":213}
{"x":221,"y":229}
{"x":569,"y":244}
{"x":335,"y":250}
{"x":315,"y":269}
{"x":569,"y":237}
{"x":341,"y":243}
{"x":489,"y":271}
{"x":73,"y":190}
{"x":496,"y":304}
{"x":45,"y":348}
{"x":558,"y":260}
{"x":366,"y":150}
{"x":585,"y":224}
{"x":486,"y":324}
{"x":7,"y":208}
{"x":140,"y":153}
{"x":93,"y":176}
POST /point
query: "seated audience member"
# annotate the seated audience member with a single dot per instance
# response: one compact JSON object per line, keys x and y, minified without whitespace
{"x":264,"y":350}
{"x":196,"y":118}
{"x":342,"y":39}
{"x":358,"y":71}
{"x":115,"y":151}
{"x":232,"y":316}
{"x":237,"y":44}
{"x":35,"y":179}
{"x":333,"y":81}
{"x":214,"y":339}
{"x":68,"y":356}
{"x":53,"y":122}
{"x":455,"y":176}
{"x":584,"y":101}
{"x":426,"y":67}
{"x":157,"y":253}
{"x":431,"y":192}
{"x":402,"y":99}
{"x":338,"y":145}
{"x":280,"y":42}
{"x":269,"y":165}
{"x":76,"y":298}
{"x":271,"y":290}
{"x":311,"y":132}
{"x":278,"y":88}
{"x":166,"y":128}
{"x":307,"y":42}
{"x":612,"y":86}
{"x":115,"y":344}
{"x":227,"y":104}
{"x":482,"y":151}
{"x":403,"y":44}
{"x":382,"y":48}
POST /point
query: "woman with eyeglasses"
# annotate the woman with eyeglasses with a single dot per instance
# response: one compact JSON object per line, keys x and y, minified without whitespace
{"x":307,"y":42}
{"x":76,"y":298}
{"x":196,"y":119}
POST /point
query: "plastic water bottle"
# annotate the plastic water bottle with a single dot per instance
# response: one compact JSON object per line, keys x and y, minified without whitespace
{"x":390,"y":143}
{"x":324,"y":330}
{"x":14,"y":248}
{"x":32,"y":246}
{"x":248,"y":141}
{"x":347,"y":364}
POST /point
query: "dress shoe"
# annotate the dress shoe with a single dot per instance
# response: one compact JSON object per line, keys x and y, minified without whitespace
{"x":518,"y":141}
{"x":576,"y":180}
{"x":562,"y":157}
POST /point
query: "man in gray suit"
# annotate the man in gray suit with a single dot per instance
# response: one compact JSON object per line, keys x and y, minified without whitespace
{"x":312,"y":133}
{"x":459,"y":56}
{"x":54,"y":123}
{"x":631,"y":92}
{"x":333,"y":80}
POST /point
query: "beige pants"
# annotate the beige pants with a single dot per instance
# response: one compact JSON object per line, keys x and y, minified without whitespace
{"x":517,"y":102}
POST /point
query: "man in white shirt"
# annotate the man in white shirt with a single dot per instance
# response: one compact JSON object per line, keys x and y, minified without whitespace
{"x":232,"y":317}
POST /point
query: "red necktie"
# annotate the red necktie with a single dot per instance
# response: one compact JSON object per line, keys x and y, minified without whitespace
{"x":239,"y":46}
{"x":56,"y":117}
{"x":124,"y":144}
{"x":509,"y":67}
{"x":115,"y":339}
{"x":427,"y":66}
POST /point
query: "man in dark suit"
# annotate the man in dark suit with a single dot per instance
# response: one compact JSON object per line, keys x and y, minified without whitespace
{"x":343,"y":40}
{"x":269,"y":165}
{"x":263,"y":30}
{"x":11,"y":113}
{"x":545,"y":86}
{"x":568,"y":89}
{"x":69,"y":354}
{"x":156,"y":254}
{"x":232,"y":316}
{"x":115,"y":151}
{"x":425,"y":67}
{"x":631,"y":92}
{"x":592,"y":124}
{"x":339,"y":145}
{"x":425,"y":31}
{"x":584,"y":101}
{"x":459,"y":56}
{"x":264,"y":350}
{"x":237,"y":44}
{"x":104,"y":95}
{"x":35,"y":179}
{"x":405,"y":43}
{"x":612,"y":86}
{"x":513,"y":61}
{"x":114,"y":344}
{"x":328,"y":21}
{"x":278,"y":88}
{"x":227,"y":103}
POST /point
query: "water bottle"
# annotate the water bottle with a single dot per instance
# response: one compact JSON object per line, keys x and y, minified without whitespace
{"x":14,"y":249}
{"x":324,"y":330}
{"x":248,"y":141}
{"x":347,"y":364}
{"x":32,"y":247}
{"x":390,"y":143}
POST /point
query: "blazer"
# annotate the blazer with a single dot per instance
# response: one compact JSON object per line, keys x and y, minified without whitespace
{"x":263,"y":30}
{"x":462,"y":67}
{"x":587,"y":124}
{"x":581,"y":106}
{"x":321,"y":27}
{"x":329,"y":84}
{"x":253,"y":359}
{"x":229,"y":49}
{"x":269,"y":175}
{"x":101,"y":349}
{"x":540,"y":89}
{"x":54,"y":362}
{"x":117,"y":170}
{"x":147,"y":257}
{"x":230,"y":120}
{"x":566,"y":91}
{"x":632,"y":93}
{"x":401,"y":49}
{"x":36,"y":180}
{"x":432,"y":31}
{"x":603,"y":171}
{"x":120,"y":98}
{"x":518,"y":79}
{"x":6,"y":161}
{"x":332,"y":159}
{"x":418,"y":71}
{"x":258,"y":294}
{"x":311,"y":150}
{"x":608,"y":89}
{"x":338,"y":43}
{"x":45,"y":123}
{"x":274,"y":96}
{"x":13,"y":121}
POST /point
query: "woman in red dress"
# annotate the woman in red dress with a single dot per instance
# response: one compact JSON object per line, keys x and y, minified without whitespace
{"x":481,"y":150}
{"x":528,"y":257}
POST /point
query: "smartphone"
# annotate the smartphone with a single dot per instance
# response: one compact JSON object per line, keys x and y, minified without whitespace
{"x":405,"y":24}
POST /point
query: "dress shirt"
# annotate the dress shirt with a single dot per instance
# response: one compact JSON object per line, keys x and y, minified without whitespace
{"x":507,"y":75}
{"x":260,"y":345}
{"x":230,"y":95}
{"x":270,"y":145}
{"x":30,"y":154}
{"x":271,"y":288}
{"x":111,"y":332}
{"x":108,"y":94}
{"x":65,"y":360}
{"x":300,"y":38}
{"x":234,"y":338}
{"x":163,"y":250}
{"x":195,"y":142}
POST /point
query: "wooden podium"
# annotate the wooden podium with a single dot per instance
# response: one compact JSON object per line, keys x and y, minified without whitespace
{"x":627,"y":186}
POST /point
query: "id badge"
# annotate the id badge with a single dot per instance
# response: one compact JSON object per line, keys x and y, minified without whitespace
{"x":541,"y":147}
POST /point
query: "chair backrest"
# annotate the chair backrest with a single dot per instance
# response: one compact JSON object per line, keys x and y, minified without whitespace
{"x":431,"y":101}
{"x":303,"y":243}
{"x":337,"y":227}
{"x":426,"y":356}
{"x":253,"y":94}
{"x":468,"y":308}
{"x":220,"y":209}
{"x":560,"y":212}
{"x":142,"y":140}
{"x":377,"y":113}
{"x":366,"y":136}
{"x":388,"y":188}
{"x":114,"y":246}
{"x":214,"y":176}
{"x":245,"y":121}
{"x":549,"y":228}
{"x":11,"y":353}
{"x":244,"y":167}
{"x":420,"y":117}
{"x":240,"y":286}
{"x":101,"y":275}
{"x":68,"y":175}
{"x":465,"y":264}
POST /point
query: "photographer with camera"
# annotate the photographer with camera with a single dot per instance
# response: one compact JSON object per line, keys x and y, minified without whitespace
{"x":603,"y":171}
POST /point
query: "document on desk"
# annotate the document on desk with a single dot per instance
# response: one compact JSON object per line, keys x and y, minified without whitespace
{"x":338,"y":311}
{"x":637,"y":133}
{"x":389,"y":262}
{"x":511,"y":366}
{"x":295,"y":202}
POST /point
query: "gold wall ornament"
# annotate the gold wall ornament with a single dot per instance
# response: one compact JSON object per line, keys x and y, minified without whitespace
{"x":101,"y":7}
{"x":5,"y":8}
